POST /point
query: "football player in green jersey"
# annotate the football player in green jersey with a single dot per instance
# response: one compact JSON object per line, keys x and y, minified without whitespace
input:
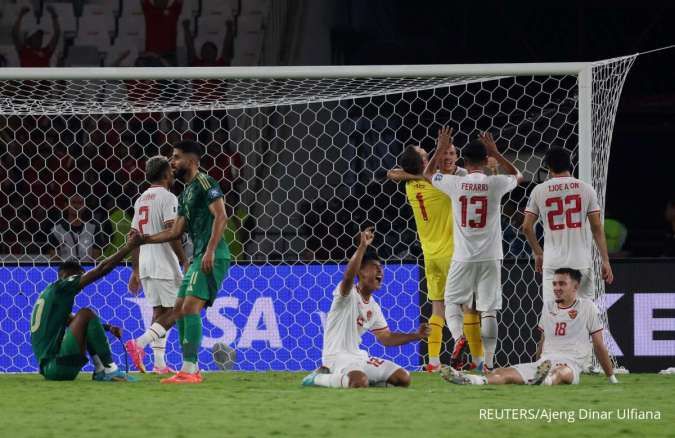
{"x":201,"y":211}
{"x":60,"y":339}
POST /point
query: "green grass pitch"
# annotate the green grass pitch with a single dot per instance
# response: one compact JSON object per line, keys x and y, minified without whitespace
{"x":273,"y":404}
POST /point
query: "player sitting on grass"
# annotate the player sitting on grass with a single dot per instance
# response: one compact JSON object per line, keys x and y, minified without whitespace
{"x":61,"y":339}
{"x":565,"y":326}
{"x":432,"y":210}
{"x":353,"y":312}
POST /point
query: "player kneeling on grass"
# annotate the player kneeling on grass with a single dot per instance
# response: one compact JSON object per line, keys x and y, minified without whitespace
{"x":565,"y":325}
{"x":61,"y":339}
{"x":353,"y":312}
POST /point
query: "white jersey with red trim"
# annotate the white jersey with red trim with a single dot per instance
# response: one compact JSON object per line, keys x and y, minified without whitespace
{"x":349,"y":318}
{"x":476,"y":210}
{"x":154,"y":211}
{"x":567,"y":329}
{"x":563,"y":204}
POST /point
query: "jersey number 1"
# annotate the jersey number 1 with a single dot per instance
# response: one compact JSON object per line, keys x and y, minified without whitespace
{"x":144,"y":211}
{"x":423,"y":209}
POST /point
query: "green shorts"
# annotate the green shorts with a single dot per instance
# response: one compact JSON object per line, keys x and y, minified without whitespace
{"x":68,"y":362}
{"x":201,"y":285}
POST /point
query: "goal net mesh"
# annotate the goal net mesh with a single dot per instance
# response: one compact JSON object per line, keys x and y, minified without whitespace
{"x":302,"y":163}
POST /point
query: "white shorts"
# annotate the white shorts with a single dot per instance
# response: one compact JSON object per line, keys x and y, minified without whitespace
{"x":377,"y":370}
{"x":528,"y":370}
{"x":159,"y":292}
{"x":586,"y":287}
{"x":475,"y":281}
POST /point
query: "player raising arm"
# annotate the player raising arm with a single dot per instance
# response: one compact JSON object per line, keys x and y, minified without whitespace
{"x":475,"y":275}
{"x":432,"y":210}
{"x":353,"y":312}
{"x":201,"y":211}
{"x":565,"y":325}
{"x":61,"y":339}
{"x":564,"y":203}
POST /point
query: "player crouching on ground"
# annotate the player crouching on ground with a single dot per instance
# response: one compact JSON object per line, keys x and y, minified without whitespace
{"x":353,"y":312}
{"x":565,"y":325}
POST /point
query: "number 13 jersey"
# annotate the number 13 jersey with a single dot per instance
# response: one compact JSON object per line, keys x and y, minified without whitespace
{"x":476,"y":209}
{"x":154,"y":211}
{"x":563,"y":204}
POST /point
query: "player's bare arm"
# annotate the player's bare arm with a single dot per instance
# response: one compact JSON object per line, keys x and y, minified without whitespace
{"x":392,"y":339}
{"x":135,"y":280}
{"x":176,"y":230}
{"x":366,"y":238}
{"x":399,"y":175}
{"x":528,"y":230}
{"x":443,"y":142}
{"x":603,"y":356}
{"x":107,"y":265}
{"x":177,"y":247}
{"x":598,"y":231}
{"x":217,"y":209}
{"x":493,"y":151}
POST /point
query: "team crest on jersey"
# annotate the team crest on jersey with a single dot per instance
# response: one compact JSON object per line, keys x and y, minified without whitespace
{"x":438,"y":177}
{"x":572,"y":313}
{"x":214,"y":192}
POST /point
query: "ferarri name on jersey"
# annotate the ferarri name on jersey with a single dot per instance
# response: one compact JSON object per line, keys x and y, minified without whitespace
{"x":472,"y":187}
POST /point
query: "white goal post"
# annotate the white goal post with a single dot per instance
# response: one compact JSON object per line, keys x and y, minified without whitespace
{"x":301,"y":153}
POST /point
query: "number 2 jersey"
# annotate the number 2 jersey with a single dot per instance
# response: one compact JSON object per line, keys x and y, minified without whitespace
{"x":49,"y":317}
{"x":476,"y":209}
{"x":432,"y":210}
{"x":566,"y":329}
{"x":563,"y":204}
{"x":154,"y":211}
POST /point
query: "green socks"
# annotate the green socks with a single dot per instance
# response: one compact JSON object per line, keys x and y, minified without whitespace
{"x":192,"y":337}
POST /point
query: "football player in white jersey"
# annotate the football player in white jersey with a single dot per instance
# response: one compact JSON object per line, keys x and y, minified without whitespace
{"x":353,"y":312}
{"x":563,"y":203}
{"x":157,"y":268}
{"x":475,"y":274}
{"x":565,"y":325}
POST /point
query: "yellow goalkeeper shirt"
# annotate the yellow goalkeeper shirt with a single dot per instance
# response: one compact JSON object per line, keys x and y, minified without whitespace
{"x":433,"y":217}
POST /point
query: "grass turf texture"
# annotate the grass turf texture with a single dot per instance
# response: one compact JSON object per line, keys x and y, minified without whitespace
{"x":274,"y":404}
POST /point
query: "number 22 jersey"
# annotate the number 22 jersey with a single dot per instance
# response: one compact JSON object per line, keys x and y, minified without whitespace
{"x":562,"y":204}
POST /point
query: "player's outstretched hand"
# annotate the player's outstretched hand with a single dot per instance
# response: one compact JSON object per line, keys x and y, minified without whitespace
{"x":134,"y":283}
{"x":367,"y":236}
{"x":489,"y":142}
{"x":444,"y":139}
{"x":607,"y":273}
{"x":134,"y":239}
{"x":116,"y":331}
{"x":539,"y":263}
{"x":424,"y":330}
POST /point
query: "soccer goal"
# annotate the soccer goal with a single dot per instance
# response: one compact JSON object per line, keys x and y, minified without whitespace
{"x":301,"y":153}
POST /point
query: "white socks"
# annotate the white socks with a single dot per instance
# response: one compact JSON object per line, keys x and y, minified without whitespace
{"x":98,"y":365}
{"x":477,"y":380}
{"x":332,"y":380}
{"x":434,"y":361}
{"x":454,"y":317}
{"x":189,"y":367}
{"x":488,"y":334}
{"x":155,"y":332}
{"x":111,"y":368}
{"x":159,"y":350}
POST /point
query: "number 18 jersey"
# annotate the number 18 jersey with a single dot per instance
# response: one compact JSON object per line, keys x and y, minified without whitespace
{"x":562,"y":204}
{"x":476,"y":209}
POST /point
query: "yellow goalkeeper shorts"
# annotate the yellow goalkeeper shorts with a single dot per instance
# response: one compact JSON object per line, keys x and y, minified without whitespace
{"x":436,"y":273}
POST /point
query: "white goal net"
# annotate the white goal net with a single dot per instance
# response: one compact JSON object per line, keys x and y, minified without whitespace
{"x":301,"y":154}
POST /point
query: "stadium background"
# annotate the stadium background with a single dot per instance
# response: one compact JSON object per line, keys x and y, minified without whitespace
{"x":356,"y":33}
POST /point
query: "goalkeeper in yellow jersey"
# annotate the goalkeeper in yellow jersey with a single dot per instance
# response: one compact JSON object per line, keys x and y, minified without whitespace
{"x":433,"y":218}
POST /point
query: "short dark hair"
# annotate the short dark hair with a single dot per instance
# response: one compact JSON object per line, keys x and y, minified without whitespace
{"x":71,"y":266}
{"x":475,"y":152}
{"x":369,"y":256}
{"x":156,"y":168}
{"x":558,"y":160}
{"x":190,"y":147}
{"x":411,"y":161}
{"x":574,"y":274}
